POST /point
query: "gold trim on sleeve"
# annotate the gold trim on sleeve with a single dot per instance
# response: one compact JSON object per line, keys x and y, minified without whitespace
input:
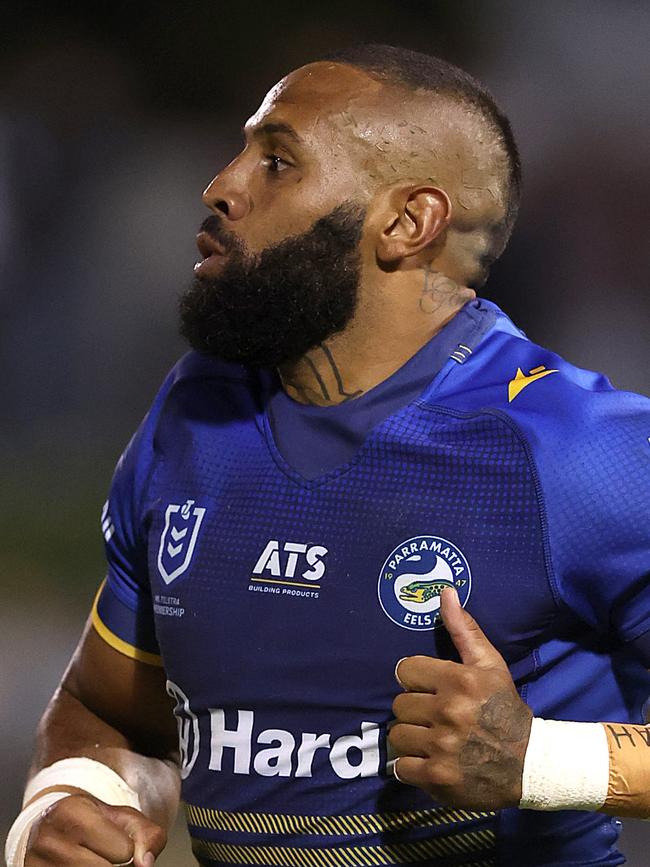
{"x":118,"y":643}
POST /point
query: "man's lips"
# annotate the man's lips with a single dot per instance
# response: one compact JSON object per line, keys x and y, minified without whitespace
{"x":213,"y":255}
{"x":208,"y":246}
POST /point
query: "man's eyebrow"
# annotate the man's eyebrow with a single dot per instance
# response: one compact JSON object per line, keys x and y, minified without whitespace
{"x":270,"y":128}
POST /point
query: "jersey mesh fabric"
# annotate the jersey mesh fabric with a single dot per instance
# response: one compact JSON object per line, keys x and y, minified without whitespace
{"x":261,"y":658}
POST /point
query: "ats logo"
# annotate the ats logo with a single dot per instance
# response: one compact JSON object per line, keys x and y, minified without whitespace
{"x":280,"y":569}
{"x":414,"y":575}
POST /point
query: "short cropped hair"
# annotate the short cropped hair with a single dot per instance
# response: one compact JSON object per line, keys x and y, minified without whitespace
{"x":416,"y":70}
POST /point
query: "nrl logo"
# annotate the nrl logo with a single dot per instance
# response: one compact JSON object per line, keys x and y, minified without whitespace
{"x":178,"y":540}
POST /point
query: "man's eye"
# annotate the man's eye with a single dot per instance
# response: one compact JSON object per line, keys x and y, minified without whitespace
{"x":275,"y":164}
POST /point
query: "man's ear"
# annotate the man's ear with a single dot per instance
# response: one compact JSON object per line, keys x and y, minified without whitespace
{"x":410,"y":218}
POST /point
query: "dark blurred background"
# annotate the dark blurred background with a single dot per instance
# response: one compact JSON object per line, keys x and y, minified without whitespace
{"x":113,"y":118}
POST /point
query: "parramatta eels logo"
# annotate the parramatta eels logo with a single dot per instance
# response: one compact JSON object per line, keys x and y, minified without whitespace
{"x":178,"y":539}
{"x":415,"y":574}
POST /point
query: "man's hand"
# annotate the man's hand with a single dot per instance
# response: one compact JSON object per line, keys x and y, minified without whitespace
{"x":462,"y":729}
{"x":81,"y":831}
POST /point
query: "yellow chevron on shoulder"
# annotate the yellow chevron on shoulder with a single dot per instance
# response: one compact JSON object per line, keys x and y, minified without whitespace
{"x":522,"y":379}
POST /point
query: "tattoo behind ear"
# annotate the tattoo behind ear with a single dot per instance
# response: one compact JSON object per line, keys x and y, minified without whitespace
{"x":438,"y":291}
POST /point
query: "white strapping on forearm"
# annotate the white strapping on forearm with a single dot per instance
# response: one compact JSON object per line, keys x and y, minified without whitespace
{"x":80,"y":773}
{"x":566,"y":766}
{"x":93,"y":777}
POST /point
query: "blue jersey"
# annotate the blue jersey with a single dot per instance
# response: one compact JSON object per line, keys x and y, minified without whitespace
{"x":279,"y":604}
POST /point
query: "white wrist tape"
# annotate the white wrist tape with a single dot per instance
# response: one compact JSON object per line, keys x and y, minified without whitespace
{"x":566,"y":766}
{"x":16,"y":845}
{"x":80,"y":773}
{"x":93,"y":777}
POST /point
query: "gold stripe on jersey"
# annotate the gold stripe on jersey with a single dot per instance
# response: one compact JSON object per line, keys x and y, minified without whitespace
{"x":287,"y":823}
{"x":118,"y":643}
{"x":476,"y":845}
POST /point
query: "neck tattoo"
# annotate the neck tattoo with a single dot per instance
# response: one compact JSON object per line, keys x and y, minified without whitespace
{"x":327,"y":381}
{"x":439,"y":291}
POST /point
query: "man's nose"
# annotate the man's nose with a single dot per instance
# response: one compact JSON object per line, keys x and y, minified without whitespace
{"x":224,"y":196}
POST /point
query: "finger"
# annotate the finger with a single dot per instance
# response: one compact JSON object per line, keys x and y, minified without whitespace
{"x":441,"y":780}
{"x":417,"y":708}
{"x":410,"y":740}
{"x":424,"y":673}
{"x":78,"y":856}
{"x":109,"y":841}
{"x":468,"y":637}
{"x":410,"y":771}
{"x":56,"y":848}
{"x":148,"y":838}
{"x":82,"y":821}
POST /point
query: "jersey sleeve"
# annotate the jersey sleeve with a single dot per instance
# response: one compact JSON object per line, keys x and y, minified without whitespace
{"x":123,"y":610}
{"x":595,"y":478}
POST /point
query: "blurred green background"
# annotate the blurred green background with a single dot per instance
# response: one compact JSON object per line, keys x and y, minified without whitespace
{"x":113,"y":117}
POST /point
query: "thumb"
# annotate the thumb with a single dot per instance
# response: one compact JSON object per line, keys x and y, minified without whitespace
{"x":148,"y":838}
{"x":467,"y":636}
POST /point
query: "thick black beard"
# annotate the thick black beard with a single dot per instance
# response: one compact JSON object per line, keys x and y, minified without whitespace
{"x":273,"y":307}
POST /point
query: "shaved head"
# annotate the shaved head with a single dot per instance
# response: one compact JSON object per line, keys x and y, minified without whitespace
{"x":430,"y":121}
{"x":371,"y":195}
{"x":376,"y":188}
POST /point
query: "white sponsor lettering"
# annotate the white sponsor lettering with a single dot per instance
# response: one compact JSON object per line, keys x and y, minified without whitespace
{"x":350,"y":756}
{"x":269,"y":560}
{"x":239,"y":739}
{"x":275,"y":761}
{"x":275,"y":565}
{"x":307,"y":749}
{"x":313,"y":558}
{"x":293,"y":549}
{"x":367,"y":745}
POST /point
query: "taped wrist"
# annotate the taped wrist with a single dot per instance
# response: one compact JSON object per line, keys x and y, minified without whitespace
{"x":566,"y":766}
{"x":93,"y":777}
{"x":587,"y":766}
{"x":16,"y":845}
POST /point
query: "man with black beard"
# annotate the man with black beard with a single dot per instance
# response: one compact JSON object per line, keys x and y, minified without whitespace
{"x":271,"y":308}
{"x":357,"y":454}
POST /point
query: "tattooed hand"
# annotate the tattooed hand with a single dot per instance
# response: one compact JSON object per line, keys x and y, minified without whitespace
{"x":462,"y":729}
